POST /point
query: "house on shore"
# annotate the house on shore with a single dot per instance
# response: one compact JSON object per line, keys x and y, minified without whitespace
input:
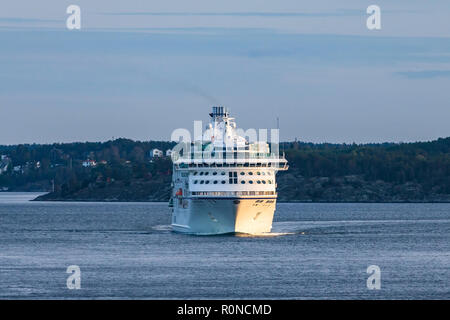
{"x":4,"y":163}
{"x":156,"y":153}
{"x":89,"y":163}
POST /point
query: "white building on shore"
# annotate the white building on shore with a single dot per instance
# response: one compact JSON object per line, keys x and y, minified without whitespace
{"x":156,"y":153}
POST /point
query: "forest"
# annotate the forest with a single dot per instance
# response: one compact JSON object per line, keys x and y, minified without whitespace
{"x":122,"y":170}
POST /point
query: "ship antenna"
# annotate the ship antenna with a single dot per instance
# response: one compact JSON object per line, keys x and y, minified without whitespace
{"x":278,"y":128}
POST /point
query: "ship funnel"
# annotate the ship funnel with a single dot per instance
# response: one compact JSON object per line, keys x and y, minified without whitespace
{"x":219,"y":111}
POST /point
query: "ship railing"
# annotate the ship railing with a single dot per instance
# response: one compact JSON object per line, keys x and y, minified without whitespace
{"x":186,"y":165}
{"x":233,"y":193}
{"x":228,"y":159}
{"x":227,"y":155}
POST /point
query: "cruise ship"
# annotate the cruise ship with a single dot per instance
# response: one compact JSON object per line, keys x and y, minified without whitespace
{"x":224,"y":183}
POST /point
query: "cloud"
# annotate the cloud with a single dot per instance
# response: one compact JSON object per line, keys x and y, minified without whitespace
{"x":336,"y":13}
{"x":25,"y":20}
{"x":233,"y":42}
{"x":425,"y":74}
{"x":193,"y":30}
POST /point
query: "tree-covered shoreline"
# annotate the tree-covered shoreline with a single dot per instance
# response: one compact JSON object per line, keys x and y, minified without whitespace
{"x":121,"y":170}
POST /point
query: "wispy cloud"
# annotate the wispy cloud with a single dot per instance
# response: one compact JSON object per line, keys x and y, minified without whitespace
{"x":24,"y":20}
{"x":425,"y":74}
{"x":238,"y":42}
{"x":242,"y":14}
{"x":331,"y":13}
{"x":194,"y":30}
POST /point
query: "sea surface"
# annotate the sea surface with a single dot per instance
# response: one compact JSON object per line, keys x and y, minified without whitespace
{"x":316,"y":251}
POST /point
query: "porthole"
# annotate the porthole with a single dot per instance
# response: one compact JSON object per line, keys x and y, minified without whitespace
{"x":201,"y":173}
{"x":250,"y":181}
{"x":242,"y":173}
{"x":263,"y":173}
{"x":250,"y":173}
{"x":258,"y":182}
{"x":202,"y":182}
{"x":258,"y":173}
{"x":206,"y":173}
{"x":223,"y":181}
{"x":195,"y":182}
{"x":243,"y":181}
{"x":215,"y":181}
{"x":222,"y":173}
{"x":214,"y":173}
{"x":207,"y":182}
{"x":270,"y":181}
{"x":264,"y":181}
{"x":195,"y":173}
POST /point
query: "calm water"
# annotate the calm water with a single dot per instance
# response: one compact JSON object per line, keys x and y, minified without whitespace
{"x":127,"y":250}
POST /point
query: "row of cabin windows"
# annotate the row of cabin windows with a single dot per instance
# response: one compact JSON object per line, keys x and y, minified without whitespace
{"x":234,"y":174}
{"x":208,"y":181}
{"x":234,"y":193}
{"x":257,"y":181}
{"x":227,"y":165}
{"x":232,"y":181}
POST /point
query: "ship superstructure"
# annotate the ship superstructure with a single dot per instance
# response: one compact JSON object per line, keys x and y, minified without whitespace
{"x":224,"y":183}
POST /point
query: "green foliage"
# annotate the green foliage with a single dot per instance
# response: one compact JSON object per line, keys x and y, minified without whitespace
{"x":121,"y":159}
{"x":424,"y":163}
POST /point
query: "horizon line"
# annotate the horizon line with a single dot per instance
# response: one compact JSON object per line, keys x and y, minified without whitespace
{"x":281,"y":142}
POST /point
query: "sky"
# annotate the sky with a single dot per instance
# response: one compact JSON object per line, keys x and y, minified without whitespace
{"x":141,"y":69}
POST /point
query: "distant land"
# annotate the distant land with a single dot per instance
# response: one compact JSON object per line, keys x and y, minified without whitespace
{"x":123,"y":170}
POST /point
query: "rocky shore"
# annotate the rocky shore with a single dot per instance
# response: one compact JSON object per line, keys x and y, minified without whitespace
{"x":291,"y":188}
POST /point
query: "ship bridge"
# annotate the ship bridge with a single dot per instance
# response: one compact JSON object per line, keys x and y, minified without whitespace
{"x":222,"y":146}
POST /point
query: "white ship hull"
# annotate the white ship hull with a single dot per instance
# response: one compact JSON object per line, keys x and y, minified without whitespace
{"x":218,"y":216}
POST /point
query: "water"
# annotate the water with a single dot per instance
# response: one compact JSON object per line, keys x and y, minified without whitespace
{"x":317,"y":251}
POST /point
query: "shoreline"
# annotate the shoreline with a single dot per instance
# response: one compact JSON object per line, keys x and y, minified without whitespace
{"x":284,"y":201}
{"x":41,"y":198}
